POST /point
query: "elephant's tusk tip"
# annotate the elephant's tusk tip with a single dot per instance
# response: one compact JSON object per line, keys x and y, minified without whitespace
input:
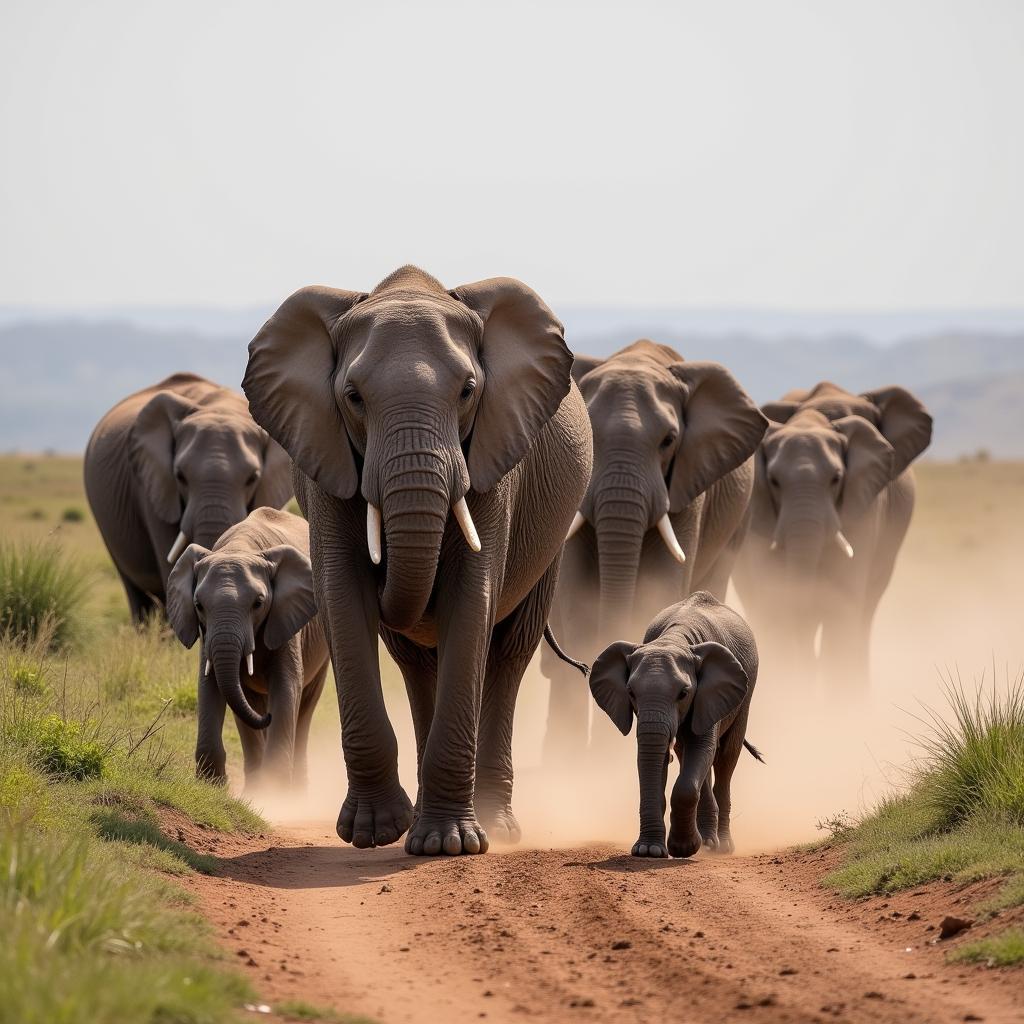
{"x":206,"y":671}
{"x":373,"y":524}
{"x":844,"y":544}
{"x":668,"y":535}
{"x":179,"y":545}
{"x":577,"y":524}
{"x":465,"y":521}
{"x":248,"y":663}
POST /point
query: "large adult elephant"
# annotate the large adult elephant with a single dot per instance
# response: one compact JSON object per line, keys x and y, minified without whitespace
{"x":665,"y":512}
{"x":177,"y":462}
{"x":440,"y":452}
{"x":832,"y":502}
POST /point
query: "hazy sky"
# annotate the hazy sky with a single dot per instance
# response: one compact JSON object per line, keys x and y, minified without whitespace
{"x":817,"y":154}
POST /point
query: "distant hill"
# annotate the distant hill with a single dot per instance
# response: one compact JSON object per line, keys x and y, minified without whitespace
{"x":57,"y":377}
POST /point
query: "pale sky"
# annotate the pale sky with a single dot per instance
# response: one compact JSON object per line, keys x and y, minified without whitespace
{"x":817,"y":154}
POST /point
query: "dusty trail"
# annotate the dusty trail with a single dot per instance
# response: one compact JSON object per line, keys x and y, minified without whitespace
{"x":582,"y":934}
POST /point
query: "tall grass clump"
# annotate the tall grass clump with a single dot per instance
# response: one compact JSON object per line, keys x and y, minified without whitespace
{"x":974,"y":756}
{"x":41,"y":592}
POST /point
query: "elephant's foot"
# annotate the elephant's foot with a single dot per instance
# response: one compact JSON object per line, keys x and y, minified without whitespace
{"x":709,"y":836}
{"x":501,"y":823}
{"x":650,"y":846}
{"x":377,"y":820}
{"x":684,"y":842}
{"x":432,"y":834}
{"x":725,"y":843}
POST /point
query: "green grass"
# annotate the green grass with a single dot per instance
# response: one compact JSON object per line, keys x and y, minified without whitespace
{"x":1003,"y":950}
{"x":299,"y":1009}
{"x":41,"y":592}
{"x":96,"y":737}
{"x":961,"y":818}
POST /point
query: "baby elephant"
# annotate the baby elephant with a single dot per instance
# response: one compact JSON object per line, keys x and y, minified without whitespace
{"x":251,"y":600}
{"x":689,"y":682}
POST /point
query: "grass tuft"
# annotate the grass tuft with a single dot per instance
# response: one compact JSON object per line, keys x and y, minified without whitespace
{"x":1002,"y":950}
{"x":41,"y":593}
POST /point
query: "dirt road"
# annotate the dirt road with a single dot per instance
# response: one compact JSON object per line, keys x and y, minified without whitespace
{"x":583,"y":934}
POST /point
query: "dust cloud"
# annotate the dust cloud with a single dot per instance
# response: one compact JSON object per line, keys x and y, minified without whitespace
{"x":952,"y":607}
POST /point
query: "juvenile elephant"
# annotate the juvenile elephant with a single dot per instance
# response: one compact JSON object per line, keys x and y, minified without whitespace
{"x":832,"y":503}
{"x":251,"y":600}
{"x":665,"y":512}
{"x":180,"y":461}
{"x":440,"y":451}
{"x":689,"y":684}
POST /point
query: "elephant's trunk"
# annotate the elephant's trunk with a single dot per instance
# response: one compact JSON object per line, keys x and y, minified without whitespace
{"x":210,"y":512}
{"x":226,"y":649}
{"x":621,"y":518}
{"x":421,"y":475}
{"x":653,"y":736}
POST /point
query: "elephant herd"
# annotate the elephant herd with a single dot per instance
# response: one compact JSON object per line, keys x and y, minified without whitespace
{"x":465,"y":481}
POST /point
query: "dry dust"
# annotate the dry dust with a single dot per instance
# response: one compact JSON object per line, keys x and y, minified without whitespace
{"x":951,"y":607}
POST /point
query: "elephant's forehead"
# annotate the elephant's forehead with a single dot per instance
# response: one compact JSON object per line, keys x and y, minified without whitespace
{"x":835,"y":407}
{"x":410,"y":320}
{"x":620,"y":392}
{"x":219,"y":425}
{"x":235,"y":567}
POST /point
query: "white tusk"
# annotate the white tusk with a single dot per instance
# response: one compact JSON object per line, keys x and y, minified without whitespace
{"x":373,"y":533}
{"x":774,"y":546}
{"x":206,"y":671}
{"x":844,"y":543}
{"x":668,"y":535}
{"x":248,"y":663}
{"x":465,"y":521}
{"x":179,"y":545}
{"x":577,"y":524}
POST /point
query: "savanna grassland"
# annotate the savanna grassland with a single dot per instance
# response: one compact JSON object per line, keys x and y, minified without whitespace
{"x":123,"y":879}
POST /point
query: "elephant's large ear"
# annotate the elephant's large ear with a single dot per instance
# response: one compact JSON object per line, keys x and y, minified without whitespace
{"x":181,"y":585}
{"x":870,"y":463}
{"x":722,"y":430}
{"x":292,"y":603}
{"x":780,"y":412}
{"x":526,"y":374}
{"x":905,"y":424}
{"x":152,"y":451}
{"x":275,"y":486}
{"x":289,"y":382}
{"x":582,"y":365}
{"x":608,"y":684}
{"x":721,"y":686}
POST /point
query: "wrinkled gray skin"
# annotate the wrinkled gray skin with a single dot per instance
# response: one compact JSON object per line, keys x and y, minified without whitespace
{"x":831,"y":461}
{"x":669,"y":436}
{"x":253,"y":594}
{"x":689,"y":685}
{"x":407,"y":400}
{"x":183,"y":456}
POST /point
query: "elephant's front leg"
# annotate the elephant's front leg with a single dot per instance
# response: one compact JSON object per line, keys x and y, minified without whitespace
{"x":696,"y":754}
{"x":211,"y":758}
{"x":284,"y":688}
{"x":376,"y":810}
{"x":446,"y":821}
{"x":513,"y":644}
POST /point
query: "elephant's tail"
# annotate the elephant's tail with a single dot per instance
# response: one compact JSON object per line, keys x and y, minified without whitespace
{"x":754,"y":751}
{"x":553,"y":644}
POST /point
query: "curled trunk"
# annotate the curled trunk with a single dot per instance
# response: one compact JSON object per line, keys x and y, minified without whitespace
{"x":226,"y":657}
{"x":416,"y":494}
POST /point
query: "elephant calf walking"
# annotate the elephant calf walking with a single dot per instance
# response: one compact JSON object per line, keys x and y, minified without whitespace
{"x":251,"y":600}
{"x":689,"y":684}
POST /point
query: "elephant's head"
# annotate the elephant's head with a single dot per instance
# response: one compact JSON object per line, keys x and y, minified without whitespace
{"x":412,"y":396}
{"x":204,"y":465}
{"x":818,"y":476}
{"x":665,"y":683}
{"x":236,"y":599}
{"x":664,"y":431}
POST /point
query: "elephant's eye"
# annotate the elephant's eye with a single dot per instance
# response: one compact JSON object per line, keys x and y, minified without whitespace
{"x":180,"y":477}
{"x":668,"y":441}
{"x":774,"y":481}
{"x":260,"y":598}
{"x":354,"y":398}
{"x":199,"y":607}
{"x":467,"y":390}
{"x":253,"y":477}
{"x":835,"y":480}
